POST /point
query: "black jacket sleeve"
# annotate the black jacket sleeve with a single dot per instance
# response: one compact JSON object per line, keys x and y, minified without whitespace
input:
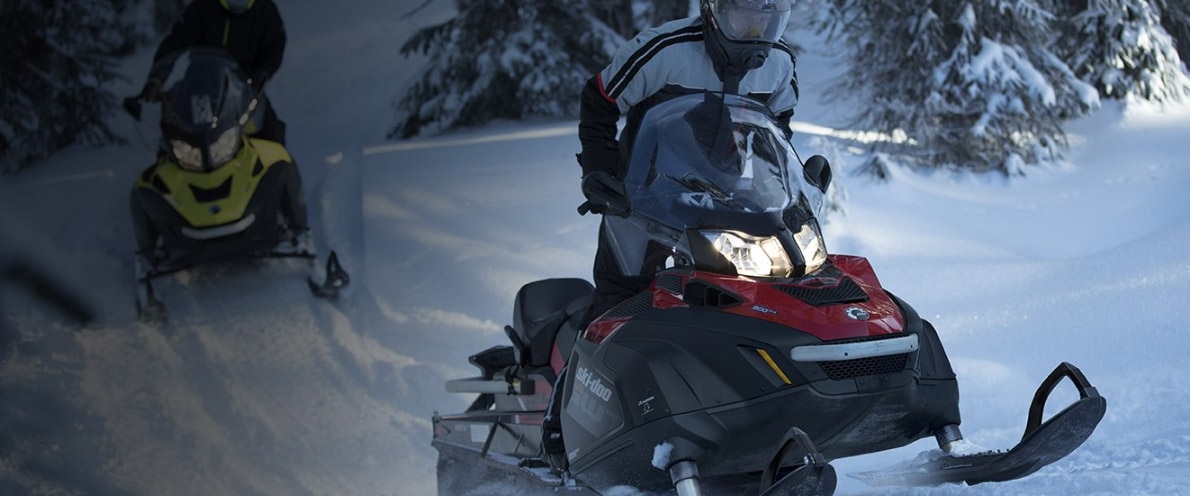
{"x":272,"y":43}
{"x":187,"y":31}
{"x":597,"y":132}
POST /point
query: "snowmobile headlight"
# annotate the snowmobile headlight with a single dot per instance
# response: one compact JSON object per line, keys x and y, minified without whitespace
{"x":809,"y":241}
{"x":188,"y":156}
{"x":225,"y":148}
{"x":752,"y":255}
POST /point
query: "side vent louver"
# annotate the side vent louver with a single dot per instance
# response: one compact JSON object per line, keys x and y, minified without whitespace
{"x":701,"y":294}
{"x":214,"y":194}
{"x":847,"y":291}
{"x":642,"y":302}
{"x":159,"y":185}
{"x":671,"y":283}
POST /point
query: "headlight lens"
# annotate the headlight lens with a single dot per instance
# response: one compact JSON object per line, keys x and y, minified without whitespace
{"x":809,"y":240}
{"x":189,"y":157}
{"x":225,"y":148}
{"x":752,"y":256}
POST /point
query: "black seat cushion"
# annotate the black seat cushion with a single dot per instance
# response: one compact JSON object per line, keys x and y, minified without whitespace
{"x":541,"y":308}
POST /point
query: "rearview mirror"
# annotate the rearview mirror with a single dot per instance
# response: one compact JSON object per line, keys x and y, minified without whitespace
{"x":818,"y":172}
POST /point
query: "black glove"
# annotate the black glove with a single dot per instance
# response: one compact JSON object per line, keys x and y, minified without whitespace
{"x":132,"y":106}
{"x":606,"y":194}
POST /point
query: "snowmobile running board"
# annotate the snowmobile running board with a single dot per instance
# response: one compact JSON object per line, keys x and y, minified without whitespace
{"x":1041,"y":444}
{"x":496,"y":386}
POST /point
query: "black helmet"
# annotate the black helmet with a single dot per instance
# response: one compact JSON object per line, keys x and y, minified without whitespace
{"x":740,"y":33}
{"x":206,"y":109}
{"x":237,"y":6}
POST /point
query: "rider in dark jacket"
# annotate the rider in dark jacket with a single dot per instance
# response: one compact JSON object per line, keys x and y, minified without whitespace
{"x":250,"y":31}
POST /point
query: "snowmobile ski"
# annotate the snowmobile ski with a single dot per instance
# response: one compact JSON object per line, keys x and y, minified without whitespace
{"x":334,"y":278}
{"x":815,"y":477}
{"x":1042,"y":443}
{"x":150,"y":308}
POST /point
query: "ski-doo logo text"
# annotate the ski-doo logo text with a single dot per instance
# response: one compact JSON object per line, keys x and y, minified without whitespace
{"x":595,"y":384}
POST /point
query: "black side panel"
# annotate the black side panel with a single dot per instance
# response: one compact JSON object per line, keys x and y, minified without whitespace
{"x":847,"y":291}
{"x":933,"y":363}
{"x":697,"y":378}
{"x":933,"y":366}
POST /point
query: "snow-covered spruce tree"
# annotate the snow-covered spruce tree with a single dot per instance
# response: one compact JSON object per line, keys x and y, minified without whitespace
{"x":1119,"y":47}
{"x":503,"y":59}
{"x":57,"y":59}
{"x":969,"y":85}
{"x":628,"y":17}
{"x":616,"y":14}
{"x":1175,"y":18}
{"x":653,"y":13}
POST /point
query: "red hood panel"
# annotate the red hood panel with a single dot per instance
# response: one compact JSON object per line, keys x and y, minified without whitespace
{"x":764,"y":299}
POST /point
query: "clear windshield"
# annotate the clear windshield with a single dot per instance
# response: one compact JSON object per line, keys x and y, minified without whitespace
{"x":703,"y":162}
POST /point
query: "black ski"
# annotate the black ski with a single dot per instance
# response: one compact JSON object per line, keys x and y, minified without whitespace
{"x":149,"y":308}
{"x":815,"y":477}
{"x":1041,"y":445}
{"x":324,"y":282}
{"x":334,"y":279}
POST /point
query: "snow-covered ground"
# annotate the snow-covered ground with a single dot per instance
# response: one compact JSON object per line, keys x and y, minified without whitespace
{"x":255,"y":387}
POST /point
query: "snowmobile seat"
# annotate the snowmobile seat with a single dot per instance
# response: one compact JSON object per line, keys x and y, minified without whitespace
{"x":545,"y":310}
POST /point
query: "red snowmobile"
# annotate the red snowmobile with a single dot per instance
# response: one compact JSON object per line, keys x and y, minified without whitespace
{"x":753,"y":359}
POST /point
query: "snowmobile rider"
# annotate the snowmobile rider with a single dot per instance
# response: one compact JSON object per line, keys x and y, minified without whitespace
{"x":250,"y":31}
{"x":732,"y":46}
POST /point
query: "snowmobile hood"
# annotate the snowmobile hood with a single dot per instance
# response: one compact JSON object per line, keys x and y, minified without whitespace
{"x":218,"y":197}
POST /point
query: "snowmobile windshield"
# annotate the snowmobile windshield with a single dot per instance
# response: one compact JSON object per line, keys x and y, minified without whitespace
{"x":206,"y":106}
{"x":714,"y":185}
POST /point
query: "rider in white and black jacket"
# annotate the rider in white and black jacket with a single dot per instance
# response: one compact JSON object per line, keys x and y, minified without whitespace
{"x":732,"y":46}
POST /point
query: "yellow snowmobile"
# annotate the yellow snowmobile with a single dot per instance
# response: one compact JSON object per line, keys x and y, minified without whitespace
{"x":216,"y":192}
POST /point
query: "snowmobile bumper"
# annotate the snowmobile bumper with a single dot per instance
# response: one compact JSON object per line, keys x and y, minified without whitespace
{"x":727,"y":409}
{"x":735,"y":440}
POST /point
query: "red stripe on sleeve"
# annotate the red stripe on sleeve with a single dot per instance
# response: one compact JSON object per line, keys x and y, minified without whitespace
{"x":602,"y":91}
